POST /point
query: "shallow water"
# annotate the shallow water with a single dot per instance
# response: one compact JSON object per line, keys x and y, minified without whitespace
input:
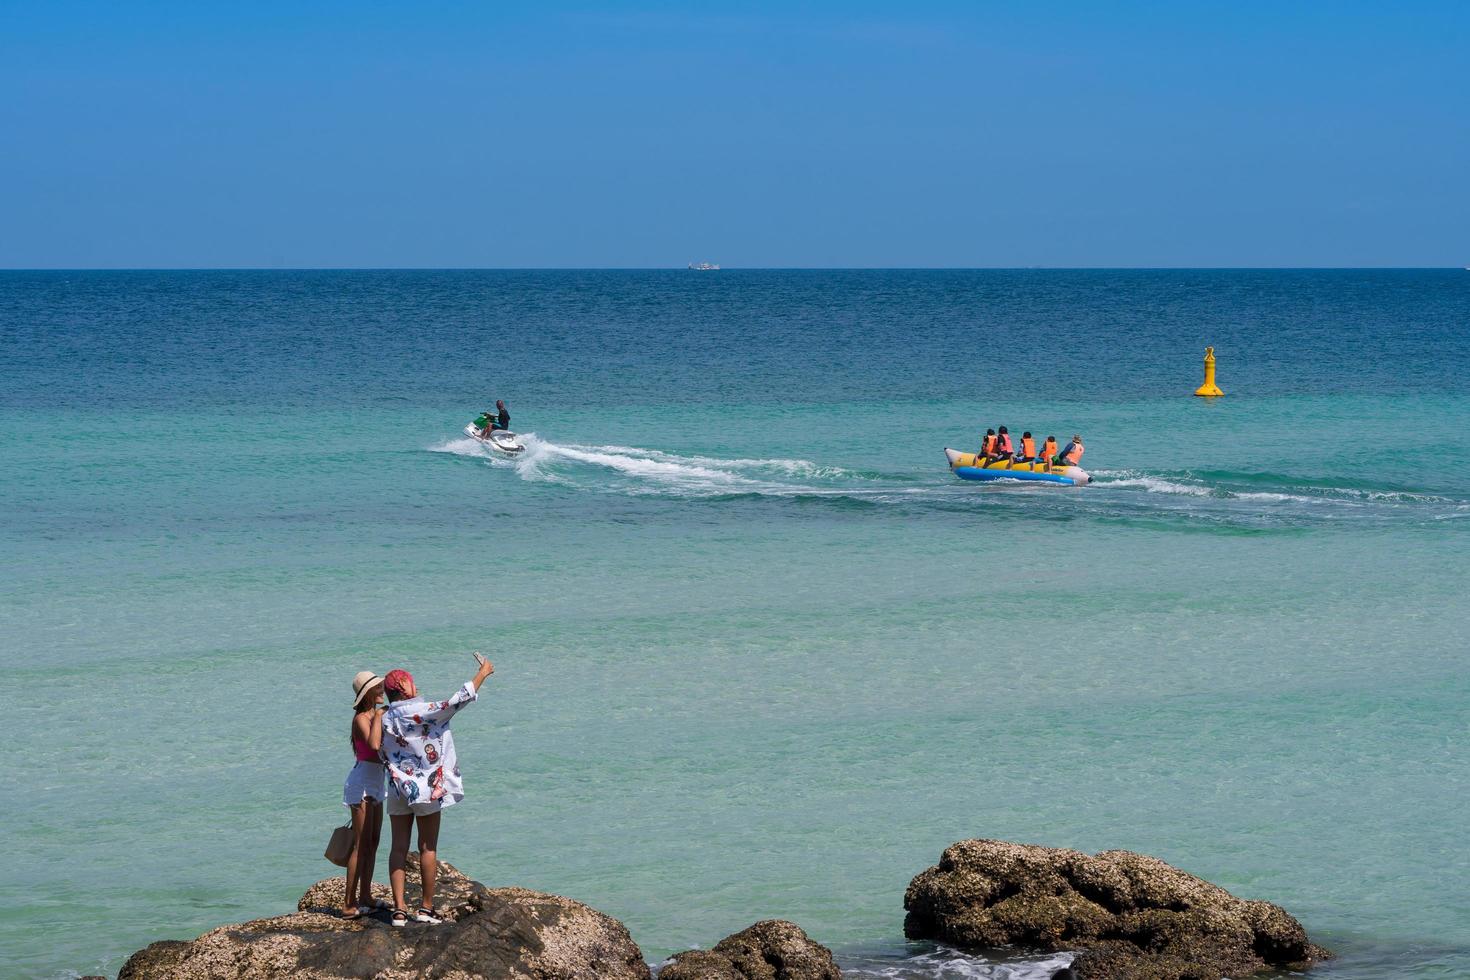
{"x":758,"y":653}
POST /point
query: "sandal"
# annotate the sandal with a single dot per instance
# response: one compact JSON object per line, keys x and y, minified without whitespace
{"x":400,"y":917}
{"x":429,"y":916}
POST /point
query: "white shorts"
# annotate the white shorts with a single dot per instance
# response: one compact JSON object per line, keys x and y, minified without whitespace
{"x":398,"y":807}
{"x":365,"y":781}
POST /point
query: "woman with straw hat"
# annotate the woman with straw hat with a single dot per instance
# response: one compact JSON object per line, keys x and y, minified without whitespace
{"x":363,"y":793}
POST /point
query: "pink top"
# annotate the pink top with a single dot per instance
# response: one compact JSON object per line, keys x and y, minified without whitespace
{"x":364,"y":751}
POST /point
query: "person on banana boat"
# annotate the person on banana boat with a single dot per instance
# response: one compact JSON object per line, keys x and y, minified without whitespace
{"x":987,"y":446}
{"x":1072,"y":455}
{"x":1049,"y":452}
{"x":1027,"y":452}
{"x":1003,"y":447}
{"x":996,"y":447}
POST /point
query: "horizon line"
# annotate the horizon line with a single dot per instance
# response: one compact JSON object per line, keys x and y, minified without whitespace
{"x":743,"y":268}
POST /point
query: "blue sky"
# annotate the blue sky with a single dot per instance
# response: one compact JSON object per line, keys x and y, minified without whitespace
{"x":438,"y":134}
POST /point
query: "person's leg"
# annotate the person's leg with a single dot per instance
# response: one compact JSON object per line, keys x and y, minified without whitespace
{"x":368,"y":858}
{"x":398,"y":854}
{"x":429,"y":855}
{"x":354,"y":860}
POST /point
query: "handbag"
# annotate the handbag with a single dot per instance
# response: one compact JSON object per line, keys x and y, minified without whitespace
{"x":340,"y":845}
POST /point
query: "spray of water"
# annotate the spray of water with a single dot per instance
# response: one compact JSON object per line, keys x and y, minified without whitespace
{"x":1257,"y":500}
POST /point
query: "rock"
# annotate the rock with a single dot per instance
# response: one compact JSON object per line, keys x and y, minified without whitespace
{"x":769,"y":950}
{"x":1132,"y":916}
{"x":509,"y":933}
{"x":452,"y":890}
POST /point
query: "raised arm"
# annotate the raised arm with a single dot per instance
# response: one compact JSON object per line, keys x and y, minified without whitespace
{"x":465,"y":695}
{"x":486,"y":669}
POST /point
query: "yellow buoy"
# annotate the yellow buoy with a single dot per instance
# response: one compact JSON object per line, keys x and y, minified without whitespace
{"x":1209,"y":389}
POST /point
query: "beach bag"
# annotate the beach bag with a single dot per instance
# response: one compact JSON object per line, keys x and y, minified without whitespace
{"x":340,"y":844}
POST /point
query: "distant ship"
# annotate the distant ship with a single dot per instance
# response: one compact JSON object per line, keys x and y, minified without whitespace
{"x":704,"y":267}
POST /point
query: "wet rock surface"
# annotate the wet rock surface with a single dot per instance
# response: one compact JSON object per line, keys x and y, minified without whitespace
{"x":452,"y":890}
{"x":488,"y":932}
{"x":770,"y":950}
{"x":1130,"y":915}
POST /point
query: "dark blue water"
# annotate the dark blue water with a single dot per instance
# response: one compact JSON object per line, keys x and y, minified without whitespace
{"x":574,"y":339}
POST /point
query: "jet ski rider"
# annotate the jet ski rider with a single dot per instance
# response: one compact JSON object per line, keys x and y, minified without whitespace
{"x":497,"y":422}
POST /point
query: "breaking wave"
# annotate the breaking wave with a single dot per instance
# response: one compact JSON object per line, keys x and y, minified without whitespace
{"x":945,"y":963}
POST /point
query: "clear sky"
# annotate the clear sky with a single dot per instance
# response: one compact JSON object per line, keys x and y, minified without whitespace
{"x":497,"y":134}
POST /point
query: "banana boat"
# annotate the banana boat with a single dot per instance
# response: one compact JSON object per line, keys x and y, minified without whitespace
{"x":966,"y":467}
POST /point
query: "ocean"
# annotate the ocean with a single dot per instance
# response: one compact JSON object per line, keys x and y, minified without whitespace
{"x":758,"y":654}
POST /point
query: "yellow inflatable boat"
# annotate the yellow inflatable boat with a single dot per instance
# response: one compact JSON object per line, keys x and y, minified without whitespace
{"x":967,"y":467}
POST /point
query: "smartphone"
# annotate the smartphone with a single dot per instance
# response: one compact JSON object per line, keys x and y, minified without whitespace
{"x":479,"y":658}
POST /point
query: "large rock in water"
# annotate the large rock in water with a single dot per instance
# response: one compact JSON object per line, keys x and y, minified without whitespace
{"x":510,"y":933}
{"x":1132,"y":916}
{"x":769,"y":950}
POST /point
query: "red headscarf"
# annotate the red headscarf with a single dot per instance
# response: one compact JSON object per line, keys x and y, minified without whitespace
{"x":398,"y":682}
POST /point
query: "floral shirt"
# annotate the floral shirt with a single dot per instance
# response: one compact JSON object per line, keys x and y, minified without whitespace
{"x":419,"y":748}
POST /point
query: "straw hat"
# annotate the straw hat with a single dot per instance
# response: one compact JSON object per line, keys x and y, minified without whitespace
{"x":363,"y":683}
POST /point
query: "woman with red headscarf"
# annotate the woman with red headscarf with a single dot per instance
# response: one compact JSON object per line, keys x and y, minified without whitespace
{"x":423,"y":777}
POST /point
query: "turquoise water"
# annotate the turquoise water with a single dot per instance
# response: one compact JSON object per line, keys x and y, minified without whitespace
{"x":758,"y":653}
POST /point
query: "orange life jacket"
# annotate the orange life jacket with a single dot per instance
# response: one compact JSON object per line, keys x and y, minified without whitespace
{"x":1003,"y":444}
{"x":1050,"y":450}
{"x":988,"y":446}
{"x":1028,"y":447}
{"x":1075,"y":456}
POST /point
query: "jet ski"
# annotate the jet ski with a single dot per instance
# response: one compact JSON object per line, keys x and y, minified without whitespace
{"x":967,"y":467}
{"x":501,"y":440}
